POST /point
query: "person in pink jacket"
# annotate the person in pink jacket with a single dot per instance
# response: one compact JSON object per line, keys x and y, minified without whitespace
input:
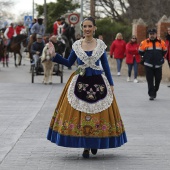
{"x":117,"y":50}
{"x":132,"y":58}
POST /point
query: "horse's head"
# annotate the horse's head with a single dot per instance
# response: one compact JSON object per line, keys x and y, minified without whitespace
{"x":24,"y":31}
{"x":23,"y":38}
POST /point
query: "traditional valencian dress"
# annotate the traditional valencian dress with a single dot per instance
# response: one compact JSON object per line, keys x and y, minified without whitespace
{"x":87,"y":115}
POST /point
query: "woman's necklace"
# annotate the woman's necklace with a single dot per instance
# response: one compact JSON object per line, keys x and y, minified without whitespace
{"x":88,"y":41}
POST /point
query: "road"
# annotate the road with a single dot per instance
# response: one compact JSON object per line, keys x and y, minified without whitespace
{"x":26,"y":109}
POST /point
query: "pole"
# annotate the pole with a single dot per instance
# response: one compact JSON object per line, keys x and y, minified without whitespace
{"x":45,"y":15}
{"x":81,"y":15}
{"x":32,"y":9}
{"x":92,"y":8}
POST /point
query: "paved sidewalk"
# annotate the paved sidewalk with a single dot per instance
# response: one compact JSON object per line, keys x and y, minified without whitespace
{"x":26,"y":110}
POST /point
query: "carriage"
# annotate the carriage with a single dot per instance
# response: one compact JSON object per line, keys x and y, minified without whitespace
{"x":39,"y":70}
{"x":66,"y":39}
{"x":45,"y":66}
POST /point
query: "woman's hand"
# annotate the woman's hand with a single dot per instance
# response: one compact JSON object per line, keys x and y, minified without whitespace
{"x":51,"y":49}
{"x":112,"y":89}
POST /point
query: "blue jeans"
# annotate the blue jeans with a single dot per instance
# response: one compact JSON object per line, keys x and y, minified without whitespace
{"x":119,"y":64}
{"x":135,"y":66}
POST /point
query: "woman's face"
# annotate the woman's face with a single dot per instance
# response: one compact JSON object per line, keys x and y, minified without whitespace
{"x":119,"y":36}
{"x":88,"y":28}
{"x":168,"y":31}
{"x":133,"y":39}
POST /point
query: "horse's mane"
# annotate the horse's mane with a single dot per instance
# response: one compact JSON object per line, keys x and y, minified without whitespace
{"x":19,"y":37}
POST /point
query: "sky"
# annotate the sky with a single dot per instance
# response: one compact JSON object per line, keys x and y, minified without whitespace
{"x":26,"y":6}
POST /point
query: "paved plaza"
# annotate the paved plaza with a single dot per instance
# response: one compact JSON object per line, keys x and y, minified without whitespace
{"x":26,"y":109}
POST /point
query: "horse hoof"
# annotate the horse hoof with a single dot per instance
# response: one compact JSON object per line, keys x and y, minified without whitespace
{"x":50,"y":83}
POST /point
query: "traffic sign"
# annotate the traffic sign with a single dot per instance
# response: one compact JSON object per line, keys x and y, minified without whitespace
{"x":73,"y":18}
{"x":27,"y":20}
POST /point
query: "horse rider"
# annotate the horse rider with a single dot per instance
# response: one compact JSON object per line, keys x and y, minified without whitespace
{"x":56,"y":25}
{"x":8,"y":34}
{"x":38,"y":28}
{"x":66,"y":27}
{"x":30,"y":26}
{"x":37,"y":48}
{"x":19,"y":28}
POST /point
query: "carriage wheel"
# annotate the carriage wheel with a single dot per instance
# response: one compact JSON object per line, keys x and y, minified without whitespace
{"x":61,"y":76}
{"x":32,"y":72}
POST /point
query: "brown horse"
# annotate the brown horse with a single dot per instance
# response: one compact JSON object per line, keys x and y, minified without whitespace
{"x":17,"y":43}
{"x":3,"y":56}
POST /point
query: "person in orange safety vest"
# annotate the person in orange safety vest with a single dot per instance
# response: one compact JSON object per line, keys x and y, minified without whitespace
{"x":152,"y":51}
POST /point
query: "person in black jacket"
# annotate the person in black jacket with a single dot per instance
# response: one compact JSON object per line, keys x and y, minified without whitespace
{"x":153,"y":50}
{"x":37,"y":48}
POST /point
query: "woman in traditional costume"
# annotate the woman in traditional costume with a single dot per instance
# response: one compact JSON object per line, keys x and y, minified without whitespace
{"x":87,"y":115}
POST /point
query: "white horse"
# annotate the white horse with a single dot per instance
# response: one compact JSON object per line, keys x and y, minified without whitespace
{"x":48,"y":65}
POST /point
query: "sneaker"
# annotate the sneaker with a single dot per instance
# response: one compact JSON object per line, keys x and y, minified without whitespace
{"x":135,"y":81}
{"x":118,"y":73}
{"x":128,"y":79}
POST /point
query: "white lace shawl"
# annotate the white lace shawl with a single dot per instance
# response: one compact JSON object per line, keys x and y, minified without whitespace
{"x":96,"y":54}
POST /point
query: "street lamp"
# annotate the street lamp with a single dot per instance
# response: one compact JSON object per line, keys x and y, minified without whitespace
{"x":45,"y":14}
{"x":81,"y":14}
{"x":33,"y":9}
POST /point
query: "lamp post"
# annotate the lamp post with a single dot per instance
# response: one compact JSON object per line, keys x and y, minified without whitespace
{"x":81,"y":14}
{"x":33,"y":9}
{"x":45,"y":14}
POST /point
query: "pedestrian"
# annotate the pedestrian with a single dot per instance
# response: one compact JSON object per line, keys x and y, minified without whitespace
{"x":167,"y":55}
{"x":37,"y":48}
{"x":100,"y":37}
{"x":153,"y":50}
{"x":132,"y":58}
{"x":87,"y":115}
{"x":117,"y":50}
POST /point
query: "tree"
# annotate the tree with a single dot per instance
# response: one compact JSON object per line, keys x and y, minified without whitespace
{"x":112,"y":28}
{"x":4,"y":12}
{"x":126,"y":10}
{"x":149,"y":11}
{"x":112,"y":8}
{"x":56,"y":10}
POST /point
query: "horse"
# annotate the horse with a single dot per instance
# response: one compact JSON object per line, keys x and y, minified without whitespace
{"x":48,"y":65}
{"x":17,"y":44}
{"x":3,"y":55}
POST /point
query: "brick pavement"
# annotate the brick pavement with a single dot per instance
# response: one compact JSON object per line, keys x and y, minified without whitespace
{"x":26,"y":110}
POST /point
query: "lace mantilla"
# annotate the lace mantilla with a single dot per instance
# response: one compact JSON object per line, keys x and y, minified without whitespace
{"x":90,"y":108}
{"x":89,"y":61}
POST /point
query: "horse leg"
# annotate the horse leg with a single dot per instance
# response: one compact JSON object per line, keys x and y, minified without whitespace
{"x":19,"y":59}
{"x":3,"y":61}
{"x":15,"y":60}
{"x":7,"y":59}
{"x":51,"y":73}
{"x":44,"y":79}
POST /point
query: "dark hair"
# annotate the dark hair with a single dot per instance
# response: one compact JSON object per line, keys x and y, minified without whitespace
{"x":90,"y":19}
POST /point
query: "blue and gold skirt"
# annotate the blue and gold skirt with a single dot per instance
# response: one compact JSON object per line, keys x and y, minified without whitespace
{"x":87,"y":115}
